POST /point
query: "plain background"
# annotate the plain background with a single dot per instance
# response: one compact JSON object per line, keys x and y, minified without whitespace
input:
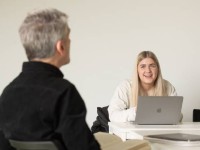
{"x":106,"y":36}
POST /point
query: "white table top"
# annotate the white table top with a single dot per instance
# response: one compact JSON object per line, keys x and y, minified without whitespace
{"x":129,"y":130}
{"x":127,"y":126}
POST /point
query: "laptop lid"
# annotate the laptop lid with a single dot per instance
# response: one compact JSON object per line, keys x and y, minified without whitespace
{"x":177,"y":139}
{"x":159,"y":110}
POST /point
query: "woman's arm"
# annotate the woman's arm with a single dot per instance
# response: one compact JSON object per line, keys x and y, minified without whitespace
{"x":119,"y":108}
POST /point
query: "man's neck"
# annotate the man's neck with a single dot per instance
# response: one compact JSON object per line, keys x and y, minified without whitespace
{"x":48,"y":61}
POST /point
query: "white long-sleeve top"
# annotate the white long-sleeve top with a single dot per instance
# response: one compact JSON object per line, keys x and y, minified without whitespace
{"x":119,"y":108}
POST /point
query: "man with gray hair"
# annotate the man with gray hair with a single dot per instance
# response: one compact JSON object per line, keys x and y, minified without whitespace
{"x":40,"y":105}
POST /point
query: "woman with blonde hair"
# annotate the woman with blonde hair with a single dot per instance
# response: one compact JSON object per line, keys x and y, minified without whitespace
{"x":147,"y":81}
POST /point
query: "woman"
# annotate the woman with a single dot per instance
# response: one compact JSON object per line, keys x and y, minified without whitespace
{"x":147,"y":81}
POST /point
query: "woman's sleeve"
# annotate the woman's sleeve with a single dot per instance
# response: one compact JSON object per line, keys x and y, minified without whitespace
{"x":119,"y":108}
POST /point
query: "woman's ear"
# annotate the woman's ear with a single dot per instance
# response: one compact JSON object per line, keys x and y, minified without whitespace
{"x":60,"y":47}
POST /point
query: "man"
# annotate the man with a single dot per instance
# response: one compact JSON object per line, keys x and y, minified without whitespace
{"x":39,"y":104}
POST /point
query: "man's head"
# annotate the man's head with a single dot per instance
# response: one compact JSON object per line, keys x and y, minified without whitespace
{"x":45,"y":36}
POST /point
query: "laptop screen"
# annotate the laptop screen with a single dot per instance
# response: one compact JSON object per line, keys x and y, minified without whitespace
{"x":159,"y":110}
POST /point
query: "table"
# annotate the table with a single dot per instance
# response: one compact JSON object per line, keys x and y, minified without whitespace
{"x":129,"y":130}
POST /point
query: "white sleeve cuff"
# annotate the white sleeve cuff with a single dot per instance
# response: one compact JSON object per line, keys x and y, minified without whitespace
{"x":131,"y":114}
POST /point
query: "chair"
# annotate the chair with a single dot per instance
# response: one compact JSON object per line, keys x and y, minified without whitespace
{"x":33,"y":145}
{"x":101,"y":122}
{"x":196,"y":115}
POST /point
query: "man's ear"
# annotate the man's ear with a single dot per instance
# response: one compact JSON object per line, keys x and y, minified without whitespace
{"x":60,"y":47}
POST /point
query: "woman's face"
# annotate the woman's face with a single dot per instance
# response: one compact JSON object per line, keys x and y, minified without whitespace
{"x":147,"y":71}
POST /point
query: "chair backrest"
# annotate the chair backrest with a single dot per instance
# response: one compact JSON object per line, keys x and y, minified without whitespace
{"x":101,"y":122}
{"x":33,"y":145}
{"x":196,"y":115}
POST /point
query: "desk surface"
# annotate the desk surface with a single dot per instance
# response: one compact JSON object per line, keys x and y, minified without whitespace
{"x":129,"y":126}
{"x":131,"y":131}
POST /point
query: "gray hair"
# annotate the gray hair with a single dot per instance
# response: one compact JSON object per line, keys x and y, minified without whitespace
{"x":41,"y":30}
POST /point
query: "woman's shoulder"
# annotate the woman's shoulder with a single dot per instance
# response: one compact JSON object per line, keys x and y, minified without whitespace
{"x":170,"y":88}
{"x":167,"y":83}
{"x":126,"y":82}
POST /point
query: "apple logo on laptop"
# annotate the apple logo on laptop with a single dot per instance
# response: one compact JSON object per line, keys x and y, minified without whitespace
{"x":159,"y":110}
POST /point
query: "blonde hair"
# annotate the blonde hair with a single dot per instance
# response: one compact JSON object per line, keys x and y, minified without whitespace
{"x":159,"y":85}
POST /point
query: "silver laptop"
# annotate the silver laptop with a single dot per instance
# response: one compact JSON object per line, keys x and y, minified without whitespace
{"x":178,"y":139}
{"x":159,"y":110}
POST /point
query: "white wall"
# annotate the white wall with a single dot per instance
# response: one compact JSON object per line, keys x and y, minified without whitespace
{"x":106,"y":37}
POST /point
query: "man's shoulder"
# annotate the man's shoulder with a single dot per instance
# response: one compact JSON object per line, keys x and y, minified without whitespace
{"x":62,"y":83}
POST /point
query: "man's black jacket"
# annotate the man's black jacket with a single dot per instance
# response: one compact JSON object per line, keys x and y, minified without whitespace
{"x":40,"y":105}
